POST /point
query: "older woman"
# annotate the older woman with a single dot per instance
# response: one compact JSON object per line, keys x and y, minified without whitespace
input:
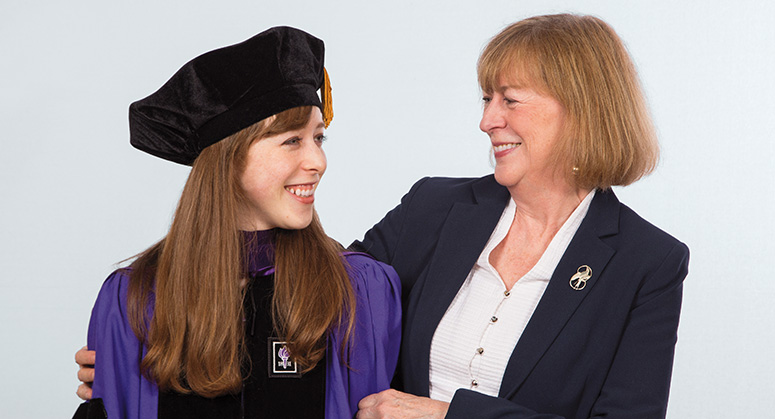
{"x":534,"y":293}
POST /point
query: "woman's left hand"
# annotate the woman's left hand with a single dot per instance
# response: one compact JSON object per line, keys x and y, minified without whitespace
{"x":393,"y":404}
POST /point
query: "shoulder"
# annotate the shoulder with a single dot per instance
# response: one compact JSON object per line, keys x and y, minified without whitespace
{"x":645,"y":256}
{"x":440,"y":193}
{"x":114,"y":290}
{"x":368,"y":273}
{"x":446,"y":186}
{"x":109,"y":317}
{"x":645,"y":236}
{"x":364,"y":267}
{"x":660,"y":260}
{"x":627,"y":231}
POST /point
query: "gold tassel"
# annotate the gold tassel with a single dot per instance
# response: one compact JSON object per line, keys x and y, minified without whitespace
{"x":325,"y":93}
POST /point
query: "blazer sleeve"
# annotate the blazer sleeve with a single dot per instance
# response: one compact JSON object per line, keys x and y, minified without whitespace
{"x":638,"y":380}
{"x":381,"y":240}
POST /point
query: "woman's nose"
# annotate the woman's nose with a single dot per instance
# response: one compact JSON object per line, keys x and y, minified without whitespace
{"x":314,"y":158}
{"x":492,"y":117}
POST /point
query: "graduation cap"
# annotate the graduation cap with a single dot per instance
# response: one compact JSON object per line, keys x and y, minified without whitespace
{"x":226,"y":90}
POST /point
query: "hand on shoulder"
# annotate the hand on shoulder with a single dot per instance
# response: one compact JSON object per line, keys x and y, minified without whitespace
{"x":85,"y":360}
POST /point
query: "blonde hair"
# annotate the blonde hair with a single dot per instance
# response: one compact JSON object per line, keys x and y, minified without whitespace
{"x":581,"y":62}
{"x":194,"y":335}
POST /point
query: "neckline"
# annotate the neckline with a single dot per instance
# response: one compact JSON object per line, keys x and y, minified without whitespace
{"x":258,"y":252}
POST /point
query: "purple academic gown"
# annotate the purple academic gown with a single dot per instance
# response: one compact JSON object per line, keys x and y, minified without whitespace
{"x":374,"y":345}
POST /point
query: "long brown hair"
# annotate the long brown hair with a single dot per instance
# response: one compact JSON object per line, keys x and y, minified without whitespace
{"x":185,"y":297}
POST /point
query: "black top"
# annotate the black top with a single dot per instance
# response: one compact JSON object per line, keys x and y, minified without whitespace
{"x":267,"y":393}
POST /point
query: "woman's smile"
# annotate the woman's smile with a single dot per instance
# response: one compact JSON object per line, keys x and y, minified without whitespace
{"x":304,"y":193}
{"x":501,"y":150}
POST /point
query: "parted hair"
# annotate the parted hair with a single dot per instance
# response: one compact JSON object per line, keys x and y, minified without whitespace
{"x":185,"y":295}
{"x":580,"y":61}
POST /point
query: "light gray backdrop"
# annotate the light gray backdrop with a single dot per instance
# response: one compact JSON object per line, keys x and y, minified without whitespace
{"x":75,"y":198}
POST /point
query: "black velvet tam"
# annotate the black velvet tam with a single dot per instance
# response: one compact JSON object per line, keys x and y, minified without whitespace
{"x":226,"y":90}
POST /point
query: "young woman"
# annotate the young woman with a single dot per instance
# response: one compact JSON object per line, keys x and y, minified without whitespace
{"x":246,"y":308}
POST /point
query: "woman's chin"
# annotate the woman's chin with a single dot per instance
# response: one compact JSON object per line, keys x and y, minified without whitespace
{"x":507,"y":178}
{"x":297,"y":223}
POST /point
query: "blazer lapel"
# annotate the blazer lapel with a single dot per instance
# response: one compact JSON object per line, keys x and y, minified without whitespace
{"x":560,"y":300}
{"x":463,"y":236}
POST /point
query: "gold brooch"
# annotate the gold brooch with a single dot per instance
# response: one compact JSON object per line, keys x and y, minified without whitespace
{"x":579,"y":280}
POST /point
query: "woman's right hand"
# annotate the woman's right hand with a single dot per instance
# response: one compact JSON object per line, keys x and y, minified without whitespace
{"x":85,"y":360}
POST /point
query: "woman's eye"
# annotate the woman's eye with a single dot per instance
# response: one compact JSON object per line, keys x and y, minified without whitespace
{"x":510,"y":101}
{"x":486,"y":100}
{"x":292,"y":141}
{"x":321,"y":139}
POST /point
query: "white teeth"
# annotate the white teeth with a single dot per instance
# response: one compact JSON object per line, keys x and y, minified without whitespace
{"x":303,"y":193}
{"x":503,"y":147}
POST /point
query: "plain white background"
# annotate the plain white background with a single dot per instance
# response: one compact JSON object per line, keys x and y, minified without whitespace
{"x":75,"y":198}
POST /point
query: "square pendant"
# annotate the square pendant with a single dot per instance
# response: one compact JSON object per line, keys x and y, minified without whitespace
{"x":281,"y":365}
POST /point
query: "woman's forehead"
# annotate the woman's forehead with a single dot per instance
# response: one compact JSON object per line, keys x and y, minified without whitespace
{"x":514,"y":68}
{"x":513,"y":78}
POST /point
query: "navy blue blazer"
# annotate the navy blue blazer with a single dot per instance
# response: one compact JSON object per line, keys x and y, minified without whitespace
{"x":604,"y":351}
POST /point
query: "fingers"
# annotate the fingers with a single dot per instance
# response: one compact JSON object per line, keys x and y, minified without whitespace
{"x":83,"y":392}
{"x":86,"y":375}
{"x":85,"y":357}
{"x":368,"y":407}
{"x":395,"y":404}
{"x":368,"y":401}
{"x":374,"y":399}
{"x":385,"y":404}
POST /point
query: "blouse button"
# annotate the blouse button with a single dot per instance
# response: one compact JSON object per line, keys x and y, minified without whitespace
{"x":474,"y":383}
{"x":506,"y":293}
{"x":480,"y":350}
{"x":493,"y":319}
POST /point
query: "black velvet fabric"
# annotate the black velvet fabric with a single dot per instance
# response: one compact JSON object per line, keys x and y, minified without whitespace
{"x":228,"y":89}
{"x":272,"y":396}
{"x":93,"y":409}
{"x":188,"y":406}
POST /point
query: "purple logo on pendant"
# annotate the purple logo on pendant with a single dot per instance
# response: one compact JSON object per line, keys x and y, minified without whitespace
{"x":284,"y":355}
{"x":280,"y":361}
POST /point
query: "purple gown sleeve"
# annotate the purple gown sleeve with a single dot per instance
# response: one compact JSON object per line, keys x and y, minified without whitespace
{"x":374,"y":342}
{"x":125,"y":393}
